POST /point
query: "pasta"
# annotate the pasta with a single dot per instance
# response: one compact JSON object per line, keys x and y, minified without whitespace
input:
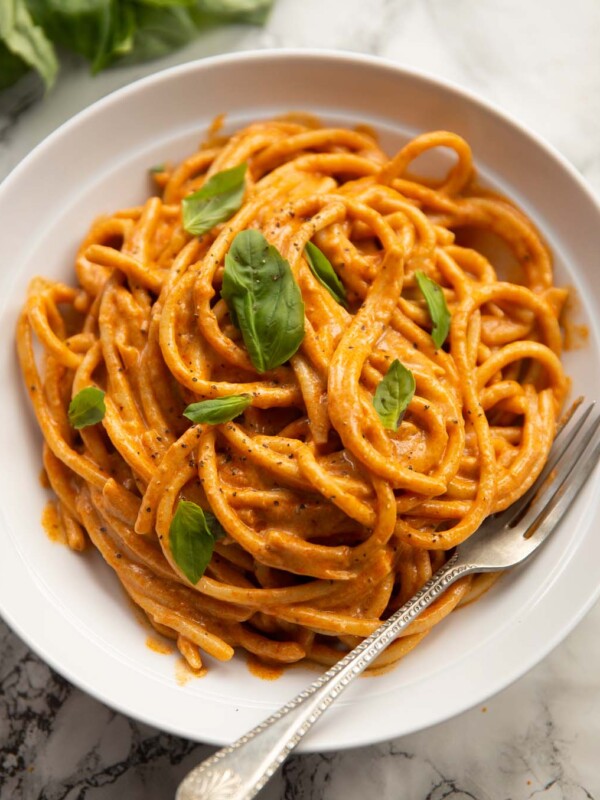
{"x":320,"y":517}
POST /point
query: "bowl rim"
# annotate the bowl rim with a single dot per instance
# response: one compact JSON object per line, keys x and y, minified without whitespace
{"x":281,"y":54}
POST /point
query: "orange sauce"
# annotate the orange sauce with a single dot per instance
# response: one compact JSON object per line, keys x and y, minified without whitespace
{"x":317,"y":473}
{"x":51,"y":523}
{"x":266,"y":672}
{"x":184,"y":673}
{"x":576,"y":335}
{"x":158,"y":646}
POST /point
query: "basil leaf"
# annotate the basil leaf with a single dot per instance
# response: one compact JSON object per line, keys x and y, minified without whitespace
{"x":160,"y":30}
{"x":156,"y":169}
{"x":87,"y":408}
{"x":393,"y":394}
{"x":104,"y":31}
{"x":24,"y":43}
{"x":165,"y":3}
{"x":99,"y":30}
{"x":264,"y":300}
{"x":192,"y":540}
{"x":214,"y":526}
{"x":438,"y":310}
{"x":325,"y":273}
{"x":11,"y":67}
{"x":166,"y":25}
{"x":221,"y":409}
{"x":120,"y":36}
{"x":252,"y":11}
{"x":217,"y":201}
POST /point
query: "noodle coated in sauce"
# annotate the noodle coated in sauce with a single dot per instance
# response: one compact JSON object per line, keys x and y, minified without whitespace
{"x":330,"y":515}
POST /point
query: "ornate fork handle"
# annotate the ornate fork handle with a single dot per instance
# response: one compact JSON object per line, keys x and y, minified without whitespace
{"x":239,"y":772}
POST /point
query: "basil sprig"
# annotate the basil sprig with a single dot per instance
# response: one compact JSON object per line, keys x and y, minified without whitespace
{"x":325,"y":273}
{"x":105,"y":31}
{"x":217,"y":201}
{"x":221,"y":409}
{"x":438,"y":310}
{"x":192,"y":536}
{"x":393,"y":394}
{"x":264,"y":300}
{"x":87,"y":408}
{"x":24,"y":44}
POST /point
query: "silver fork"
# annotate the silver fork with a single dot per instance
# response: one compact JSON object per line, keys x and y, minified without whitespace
{"x":239,"y":771}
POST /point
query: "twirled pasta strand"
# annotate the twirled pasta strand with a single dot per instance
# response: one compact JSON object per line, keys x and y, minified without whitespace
{"x":332,"y":522}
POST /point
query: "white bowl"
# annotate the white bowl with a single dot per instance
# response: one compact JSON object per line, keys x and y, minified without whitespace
{"x":69,"y":608}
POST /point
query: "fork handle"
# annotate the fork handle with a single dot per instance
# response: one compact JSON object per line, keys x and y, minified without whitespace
{"x":239,"y":771}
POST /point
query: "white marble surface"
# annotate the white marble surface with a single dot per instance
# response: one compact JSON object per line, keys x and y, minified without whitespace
{"x":540,"y":60}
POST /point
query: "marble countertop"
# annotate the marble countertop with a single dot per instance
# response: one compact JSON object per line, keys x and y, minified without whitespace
{"x":540,"y":737}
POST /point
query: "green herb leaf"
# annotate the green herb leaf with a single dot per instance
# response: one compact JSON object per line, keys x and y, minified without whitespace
{"x":393,"y":394}
{"x":87,"y":408}
{"x":253,"y":12}
{"x":264,"y":300}
{"x":192,"y":536}
{"x":160,"y":30}
{"x":100,"y":30}
{"x":214,"y":526}
{"x":438,"y":310}
{"x":166,"y":25}
{"x":165,"y":3}
{"x":234,"y":7}
{"x":217,"y":201}
{"x":11,"y":67}
{"x":104,"y":31}
{"x":120,"y":36}
{"x":221,"y":409}
{"x":24,"y":43}
{"x":325,"y":273}
{"x":157,"y":168}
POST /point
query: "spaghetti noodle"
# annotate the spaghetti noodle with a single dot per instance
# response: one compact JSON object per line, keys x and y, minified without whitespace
{"x":331,"y":520}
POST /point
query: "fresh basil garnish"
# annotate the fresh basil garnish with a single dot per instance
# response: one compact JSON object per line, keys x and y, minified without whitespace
{"x":393,"y":394}
{"x":264,"y":300}
{"x":217,"y":201}
{"x":214,"y":526}
{"x":325,"y":273}
{"x":157,"y":168}
{"x":438,"y":310}
{"x":221,"y":409}
{"x":87,"y":408}
{"x":192,"y":536}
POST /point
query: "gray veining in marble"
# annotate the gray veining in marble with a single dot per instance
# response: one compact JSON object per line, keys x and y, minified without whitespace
{"x":540,"y":738}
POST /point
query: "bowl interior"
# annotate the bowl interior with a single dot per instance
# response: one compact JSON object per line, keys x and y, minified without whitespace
{"x":70,"y":607}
